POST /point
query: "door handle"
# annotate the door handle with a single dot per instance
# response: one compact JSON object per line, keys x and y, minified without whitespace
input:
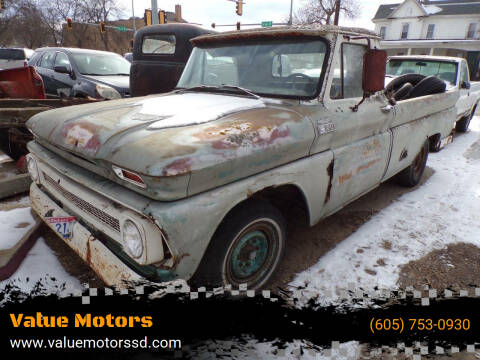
{"x":387,"y":109}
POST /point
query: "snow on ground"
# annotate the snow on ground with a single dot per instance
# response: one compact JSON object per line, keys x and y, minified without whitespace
{"x":42,"y":264}
{"x":14,"y":224}
{"x":444,"y":210}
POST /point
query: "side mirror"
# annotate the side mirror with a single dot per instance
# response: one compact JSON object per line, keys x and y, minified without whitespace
{"x":374,"y":67}
{"x":465,"y":85}
{"x":63,"y":69}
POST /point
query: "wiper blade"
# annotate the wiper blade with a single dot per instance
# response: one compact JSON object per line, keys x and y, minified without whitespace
{"x":216,"y":88}
{"x":246,"y":91}
{"x":199,"y":87}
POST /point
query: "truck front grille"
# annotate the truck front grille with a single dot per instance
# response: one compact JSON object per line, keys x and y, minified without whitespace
{"x":84,"y":205}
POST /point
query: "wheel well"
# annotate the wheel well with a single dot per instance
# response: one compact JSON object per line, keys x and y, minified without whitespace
{"x":288,"y":199}
{"x":433,"y":138}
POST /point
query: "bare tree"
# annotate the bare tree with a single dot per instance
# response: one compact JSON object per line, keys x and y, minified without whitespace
{"x":35,"y":23}
{"x":102,"y":10}
{"x":323,"y":11}
{"x":26,"y":26}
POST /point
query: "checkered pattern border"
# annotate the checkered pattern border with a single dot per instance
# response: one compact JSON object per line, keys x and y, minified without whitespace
{"x":424,"y":296}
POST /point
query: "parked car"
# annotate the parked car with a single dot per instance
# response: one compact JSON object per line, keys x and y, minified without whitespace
{"x":452,"y":70}
{"x":160,"y":53}
{"x":14,"y":57}
{"x":69,"y":72}
{"x":196,"y":183}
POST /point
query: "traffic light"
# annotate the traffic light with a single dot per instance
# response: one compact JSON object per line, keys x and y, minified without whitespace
{"x":69,"y":23}
{"x":239,"y":7}
{"x":131,"y":43}
{"x":148,"y":17}
{"x":161,"y":17}
{"x":2,"y":5}
{"x":102,"y":27}
{"x":238,"y":25}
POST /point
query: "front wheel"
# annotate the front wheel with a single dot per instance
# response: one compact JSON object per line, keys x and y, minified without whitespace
{"x":246,"y":248}
{"x":412,"y":175}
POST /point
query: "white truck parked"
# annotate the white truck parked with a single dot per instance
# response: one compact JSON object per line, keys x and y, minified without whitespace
{"x":453,"y":70}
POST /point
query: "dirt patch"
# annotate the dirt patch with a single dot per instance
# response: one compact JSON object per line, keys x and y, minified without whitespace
{"x":454,"y":267}
{"x":306,"y":245}
{"x":22,"y":225}
{"x":71,"y":262}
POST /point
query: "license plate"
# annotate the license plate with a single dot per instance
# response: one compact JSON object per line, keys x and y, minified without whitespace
{"x":63,"y":225}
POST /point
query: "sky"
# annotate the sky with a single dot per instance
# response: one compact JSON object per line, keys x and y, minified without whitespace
{"x":206,"y":12}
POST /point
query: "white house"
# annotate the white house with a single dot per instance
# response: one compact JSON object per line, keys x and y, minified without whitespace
{"x":431,"y":27}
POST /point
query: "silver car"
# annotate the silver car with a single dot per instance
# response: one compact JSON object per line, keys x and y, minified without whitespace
{"x":14,"y":57}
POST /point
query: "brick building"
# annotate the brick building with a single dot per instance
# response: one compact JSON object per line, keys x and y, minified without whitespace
{"x":90,"y":37}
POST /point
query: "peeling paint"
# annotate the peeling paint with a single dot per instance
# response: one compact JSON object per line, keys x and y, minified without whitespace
{"x":367,"y":166}
{"x":343,"y":178}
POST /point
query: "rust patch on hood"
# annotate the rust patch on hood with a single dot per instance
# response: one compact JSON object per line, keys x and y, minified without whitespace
{"x":82,"y":135}
{"x":177,"y":167}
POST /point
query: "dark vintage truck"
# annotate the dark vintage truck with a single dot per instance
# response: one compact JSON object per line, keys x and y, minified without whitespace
{"x":193,"y":184}
{"x":160,"y":53}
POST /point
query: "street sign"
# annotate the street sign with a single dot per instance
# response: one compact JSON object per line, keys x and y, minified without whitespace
{"x":267,"y":23}
{"x":121,"y":28}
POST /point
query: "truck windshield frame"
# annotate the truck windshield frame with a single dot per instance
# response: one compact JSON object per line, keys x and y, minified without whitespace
{"x":283,"y":68}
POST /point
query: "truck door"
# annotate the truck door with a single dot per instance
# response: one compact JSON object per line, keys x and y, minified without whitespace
{"x":465,"y":102}
{"x":360,"y":141}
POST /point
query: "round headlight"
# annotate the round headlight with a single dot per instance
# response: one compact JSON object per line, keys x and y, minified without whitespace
{"x":32,"y":169}
{"x":107,"y":92}
{"x":132,"y":239}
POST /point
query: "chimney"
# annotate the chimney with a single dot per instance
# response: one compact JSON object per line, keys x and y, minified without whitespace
{"x":178,"y":13}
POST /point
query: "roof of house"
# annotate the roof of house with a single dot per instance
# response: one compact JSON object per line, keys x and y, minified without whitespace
{"x":445,"y":7}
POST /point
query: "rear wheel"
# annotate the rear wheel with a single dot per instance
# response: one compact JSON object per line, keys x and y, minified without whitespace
{"x":463,"y":124}
{"x":246,"y":248}
{"x":412,"y":175}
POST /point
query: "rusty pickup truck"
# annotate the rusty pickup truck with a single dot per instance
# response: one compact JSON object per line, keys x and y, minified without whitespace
{"x":194,"y":184}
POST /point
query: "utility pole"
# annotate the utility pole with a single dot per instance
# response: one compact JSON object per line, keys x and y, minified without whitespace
{"x":134,"y":22}
{"x":290,"y":21}
{"x":154,"y":12}
{"x":337,"y":12}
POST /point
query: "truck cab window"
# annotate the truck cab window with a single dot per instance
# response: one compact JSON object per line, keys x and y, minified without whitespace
{"x":159,"y":44}
{"x":347,"y":79}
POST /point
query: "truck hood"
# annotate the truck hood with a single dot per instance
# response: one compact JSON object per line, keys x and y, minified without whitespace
{"x":219,"y":138}
{"x":119,"y":82}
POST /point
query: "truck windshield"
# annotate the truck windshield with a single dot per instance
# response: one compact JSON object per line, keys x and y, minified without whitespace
{"x":101,"y":64}
{"x":280,"y":68}
{"x":446,"y":71}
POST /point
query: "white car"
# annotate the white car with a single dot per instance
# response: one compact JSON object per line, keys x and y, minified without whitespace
{"x":14,"y":57}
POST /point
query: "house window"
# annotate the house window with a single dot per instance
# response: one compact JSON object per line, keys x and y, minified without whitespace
{"x":404,"y":31}
{"x":430,"y":30}
{"x":383,"y":32}
{"x":472,"y":29}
